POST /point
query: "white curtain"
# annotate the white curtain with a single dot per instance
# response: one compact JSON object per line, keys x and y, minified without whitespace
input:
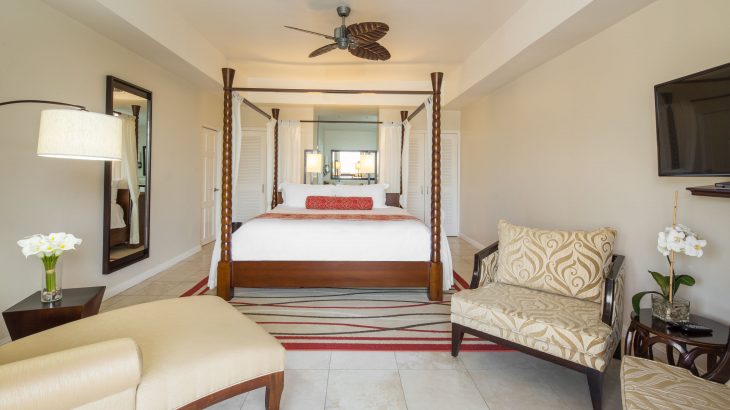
{"x":445,"y":249}
{"x":290,"y":152}
{"x":405,"y":156}
{"x":129,"y":172}
{"x":236,"y":136}
{"x":269,"y":162}
{"x":389,"y":159}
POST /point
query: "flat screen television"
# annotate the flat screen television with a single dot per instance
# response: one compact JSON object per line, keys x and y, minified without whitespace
{"x":693,"y":124}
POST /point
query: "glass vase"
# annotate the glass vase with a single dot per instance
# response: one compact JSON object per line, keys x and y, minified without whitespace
{"x":51,"y":283}
{"x":675,"y":312}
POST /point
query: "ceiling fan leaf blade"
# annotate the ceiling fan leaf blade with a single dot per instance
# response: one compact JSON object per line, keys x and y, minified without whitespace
{"x":368,"y":32}
{"x":373,"y":51}
{"x":310,"y":32}
{"x":322,"y":50}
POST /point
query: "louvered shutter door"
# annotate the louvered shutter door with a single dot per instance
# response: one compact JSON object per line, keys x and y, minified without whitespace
{"x":250,"y":200}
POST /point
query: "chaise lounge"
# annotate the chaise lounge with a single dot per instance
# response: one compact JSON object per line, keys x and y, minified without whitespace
{"x":176,"y":353}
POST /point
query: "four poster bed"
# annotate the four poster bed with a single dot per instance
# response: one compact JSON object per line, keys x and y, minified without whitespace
{"x":425,"y":269}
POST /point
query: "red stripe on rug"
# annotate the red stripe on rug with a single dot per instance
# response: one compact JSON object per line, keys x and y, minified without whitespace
{"x":352,"y":325}
{"x":464,"y":284}
{"x":395,"y":347}
{"x":197,"y":287}
{"x":334,"y":307}
{"x":415,"y":339}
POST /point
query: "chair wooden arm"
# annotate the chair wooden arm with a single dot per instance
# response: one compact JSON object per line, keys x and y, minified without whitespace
{"x":478,"y":257}
{"x":610,"y":288}
{"x":721,"y":373}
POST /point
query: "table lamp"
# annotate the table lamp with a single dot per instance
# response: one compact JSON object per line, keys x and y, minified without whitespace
{"x":313,"y":165}
{"x":367,"y":164}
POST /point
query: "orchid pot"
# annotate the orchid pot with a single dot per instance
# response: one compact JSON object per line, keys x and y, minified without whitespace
{"x":676,"y":239}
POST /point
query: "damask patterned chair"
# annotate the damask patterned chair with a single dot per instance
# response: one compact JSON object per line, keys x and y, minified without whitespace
{"x":647,"y":384}
{"x":557,"y":295}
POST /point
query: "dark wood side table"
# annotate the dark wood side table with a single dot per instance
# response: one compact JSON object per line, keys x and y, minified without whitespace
{"x":31,"y":316}
{"x":645,"y":331}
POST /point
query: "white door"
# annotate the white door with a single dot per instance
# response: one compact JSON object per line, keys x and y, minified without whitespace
{"x":209,"y":150}
{"x":250,"y":196}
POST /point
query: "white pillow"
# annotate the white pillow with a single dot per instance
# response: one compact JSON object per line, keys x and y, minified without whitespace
{"x":295,"y":195}
{"x":375,"y":191}
{"x":115,"y":188}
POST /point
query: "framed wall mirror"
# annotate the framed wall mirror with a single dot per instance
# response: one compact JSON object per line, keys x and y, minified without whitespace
{"x":127,"y":182}
{"x":354,"y":165}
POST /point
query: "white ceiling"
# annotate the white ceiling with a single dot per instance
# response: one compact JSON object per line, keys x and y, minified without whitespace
{"x":479,"y":44}
{"x":421,"y":31}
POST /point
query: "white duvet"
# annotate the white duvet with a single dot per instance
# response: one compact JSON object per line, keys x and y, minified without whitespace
{"x":338,"y":240}
{"x":116,"y":216}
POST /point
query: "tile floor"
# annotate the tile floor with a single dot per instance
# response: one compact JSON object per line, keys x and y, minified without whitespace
{"x":398,"y":380}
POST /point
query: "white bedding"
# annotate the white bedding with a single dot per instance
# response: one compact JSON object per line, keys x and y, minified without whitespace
{"x":116,"y":219}
{"x":338,"y":240}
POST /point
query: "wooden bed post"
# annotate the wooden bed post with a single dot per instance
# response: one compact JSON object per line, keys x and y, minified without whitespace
{"x":275,"y":193}
{"x":435,"y":288}
{"x":225,"y":288}
{"x":403,"y":117}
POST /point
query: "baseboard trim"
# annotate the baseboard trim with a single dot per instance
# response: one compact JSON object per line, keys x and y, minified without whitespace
{"x":117,"y":289}
{"x":472,"y":242}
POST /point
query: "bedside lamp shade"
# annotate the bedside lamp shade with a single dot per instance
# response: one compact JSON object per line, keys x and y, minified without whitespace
{"x":80,"y":135}
{"x":314,"y":163}
{"x":367,"y":163}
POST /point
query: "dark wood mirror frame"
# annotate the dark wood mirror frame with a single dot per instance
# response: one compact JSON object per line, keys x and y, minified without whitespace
{"x":333,"y":154}
{"x":109,"y":266}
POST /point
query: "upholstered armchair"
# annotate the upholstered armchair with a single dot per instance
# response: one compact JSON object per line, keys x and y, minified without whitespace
{"x":177,"y":353}
{"x":648,"y":384}
{"x":556,"y":295}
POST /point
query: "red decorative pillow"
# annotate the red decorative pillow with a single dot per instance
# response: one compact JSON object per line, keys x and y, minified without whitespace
{"x":340,"y":202}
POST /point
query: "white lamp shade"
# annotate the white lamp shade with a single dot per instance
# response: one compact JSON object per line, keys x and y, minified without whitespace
{"x":367,"y":163}
{"x":80,"y":135}
{"x":314,"y":163}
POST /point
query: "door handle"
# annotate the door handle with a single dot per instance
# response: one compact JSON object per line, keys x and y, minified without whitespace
{"x":216,"y":189}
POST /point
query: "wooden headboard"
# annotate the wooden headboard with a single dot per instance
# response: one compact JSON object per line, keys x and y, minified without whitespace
{"x":391,"y":199}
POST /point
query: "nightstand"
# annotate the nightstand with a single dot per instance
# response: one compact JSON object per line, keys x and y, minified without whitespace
{"x":31,"y":316}
{"x":645,"y":331}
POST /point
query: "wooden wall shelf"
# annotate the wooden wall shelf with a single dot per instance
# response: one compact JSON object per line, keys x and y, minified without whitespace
{"x":709,"y":190}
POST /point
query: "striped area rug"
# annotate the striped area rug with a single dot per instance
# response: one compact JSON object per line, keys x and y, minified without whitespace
{"x":353,"y":318}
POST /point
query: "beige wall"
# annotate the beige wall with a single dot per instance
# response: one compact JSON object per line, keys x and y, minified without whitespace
{"x":572,"y":145}
{"x":46,"y":55}
{"x":450,"y":119}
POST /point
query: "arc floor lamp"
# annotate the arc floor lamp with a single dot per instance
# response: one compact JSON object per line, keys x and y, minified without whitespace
{"x":77,"y":134}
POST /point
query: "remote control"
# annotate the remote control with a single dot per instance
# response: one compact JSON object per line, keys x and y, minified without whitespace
{"x":693,"y":329}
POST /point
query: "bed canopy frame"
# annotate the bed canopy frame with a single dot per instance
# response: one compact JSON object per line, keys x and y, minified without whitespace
{"x":284,"y":274}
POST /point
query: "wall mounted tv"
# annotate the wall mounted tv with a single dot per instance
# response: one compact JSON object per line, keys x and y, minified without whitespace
{"x":693,"y":124}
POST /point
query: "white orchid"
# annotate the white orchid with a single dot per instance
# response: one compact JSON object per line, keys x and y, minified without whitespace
{"x":680,"y":238}
{"x":662,"y":244}
{"x":675,"y":240}
{"x":693,"y":246}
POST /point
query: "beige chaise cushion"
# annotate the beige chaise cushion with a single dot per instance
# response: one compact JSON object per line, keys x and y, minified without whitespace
{"x":563,"y":326}
{"x":646,"y":384}
{"x":191,"y":347}
{"x":62,"y":380}
{"x":569,"y":263}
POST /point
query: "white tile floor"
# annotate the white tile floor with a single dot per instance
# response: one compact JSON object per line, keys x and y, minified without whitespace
{"x":399,"y":380}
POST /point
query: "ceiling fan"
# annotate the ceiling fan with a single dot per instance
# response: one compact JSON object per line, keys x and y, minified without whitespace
{"x":360,"y":39}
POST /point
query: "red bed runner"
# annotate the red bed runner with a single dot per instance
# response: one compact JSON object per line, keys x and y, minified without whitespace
{"x":339,"y":217}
